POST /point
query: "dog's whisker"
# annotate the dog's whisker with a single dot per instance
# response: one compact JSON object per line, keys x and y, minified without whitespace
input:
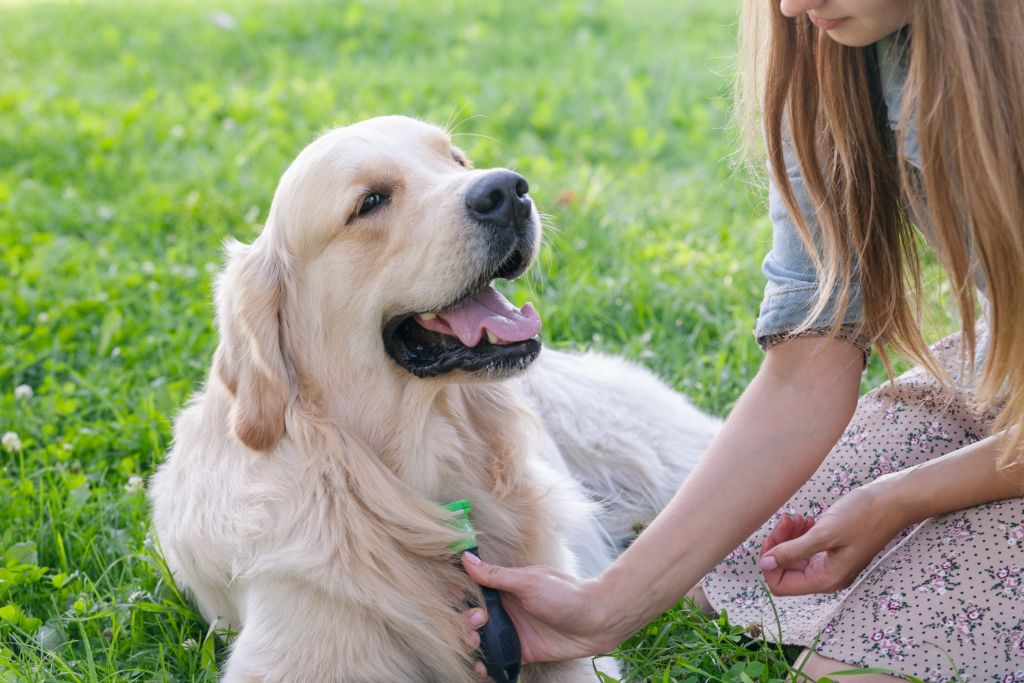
{"x":553,"y":230}
{"x":455,"y":112}
{"x":464,"y":120}
{"x":550,"y":225}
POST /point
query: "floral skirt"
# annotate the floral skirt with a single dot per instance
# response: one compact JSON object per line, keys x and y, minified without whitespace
{"x":945,"y":598}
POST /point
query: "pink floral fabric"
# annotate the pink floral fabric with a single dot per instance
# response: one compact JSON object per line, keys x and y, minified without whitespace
{"x":945,"y":599}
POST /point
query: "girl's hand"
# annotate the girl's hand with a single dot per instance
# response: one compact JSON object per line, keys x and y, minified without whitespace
{"x":803,"y":556}
{"x":557,"y":615}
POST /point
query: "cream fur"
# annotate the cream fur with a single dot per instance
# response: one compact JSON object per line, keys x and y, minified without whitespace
{"x":299,"y":502}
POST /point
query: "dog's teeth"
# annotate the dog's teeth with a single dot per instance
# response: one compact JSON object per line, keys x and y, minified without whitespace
{"x":491,"y":337}
{"x":427,"y":316}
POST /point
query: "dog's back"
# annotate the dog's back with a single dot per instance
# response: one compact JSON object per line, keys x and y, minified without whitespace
{"x":627,"y":437}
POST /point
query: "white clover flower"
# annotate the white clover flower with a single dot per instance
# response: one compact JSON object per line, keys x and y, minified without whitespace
{"x":135,"y":482}
{"x":223,"y":20}
{"x":11,"y":442}
{"x":177,"y":131}
{"x":23,"y":392}
{"x":43,"y":318}
{"x":104,"y":212}
{"x":190,"y":644}
{"x":147,"y":267}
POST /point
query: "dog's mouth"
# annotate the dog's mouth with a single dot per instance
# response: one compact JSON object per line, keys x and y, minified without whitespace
{"x":482,"y":332}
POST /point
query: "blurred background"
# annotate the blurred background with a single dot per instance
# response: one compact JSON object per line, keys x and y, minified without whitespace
{"x":136,"y":136}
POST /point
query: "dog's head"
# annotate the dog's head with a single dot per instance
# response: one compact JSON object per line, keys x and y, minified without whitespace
{"x":382,"y":240}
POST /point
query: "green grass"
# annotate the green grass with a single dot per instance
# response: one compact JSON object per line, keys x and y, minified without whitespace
{"x":134,"y":137}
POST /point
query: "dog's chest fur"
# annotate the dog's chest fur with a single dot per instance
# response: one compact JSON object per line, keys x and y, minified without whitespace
{"x":468,"y":450}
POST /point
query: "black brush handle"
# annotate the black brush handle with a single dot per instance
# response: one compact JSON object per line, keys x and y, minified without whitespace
{"x":499,"y":641}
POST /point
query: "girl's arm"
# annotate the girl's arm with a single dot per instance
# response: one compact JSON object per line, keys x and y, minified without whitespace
{"x":967,"y":477}
{"x":781,"y":429}
{"x":779,"y":432}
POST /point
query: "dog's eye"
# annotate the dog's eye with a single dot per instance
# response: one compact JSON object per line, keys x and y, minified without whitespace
{"x":371,"y":202}
{"x":460,"y":160}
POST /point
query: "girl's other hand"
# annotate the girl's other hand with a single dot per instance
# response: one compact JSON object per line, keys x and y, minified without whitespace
{"x":802,"y":555}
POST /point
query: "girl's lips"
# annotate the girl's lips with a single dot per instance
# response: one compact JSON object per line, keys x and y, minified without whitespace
{"x":826,"y":24}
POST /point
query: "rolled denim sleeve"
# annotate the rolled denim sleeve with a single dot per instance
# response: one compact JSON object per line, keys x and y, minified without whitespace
{"x":792,"y":285}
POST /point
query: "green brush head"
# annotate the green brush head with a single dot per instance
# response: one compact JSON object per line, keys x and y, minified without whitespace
{"x":460,"y":521}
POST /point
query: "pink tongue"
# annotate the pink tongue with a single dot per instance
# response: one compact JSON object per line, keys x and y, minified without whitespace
{"x":486,"y":310}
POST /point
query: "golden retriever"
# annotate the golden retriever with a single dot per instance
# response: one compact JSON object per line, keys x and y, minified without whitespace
{"x":367,"y":372}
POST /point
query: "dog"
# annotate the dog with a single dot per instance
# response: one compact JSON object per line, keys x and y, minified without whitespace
{"x":368,"y":372}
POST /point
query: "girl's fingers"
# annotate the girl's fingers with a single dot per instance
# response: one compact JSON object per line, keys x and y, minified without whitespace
{"x":793,"y":583}
{"x":794,"y":553}
{"x":767,"y":545}
{"x":787,"y":528}
{"x":502,"y":578}
{"x":475,"y":618}
{"x":473,"y":639}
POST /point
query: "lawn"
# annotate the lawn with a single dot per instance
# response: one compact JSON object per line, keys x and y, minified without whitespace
{"x":136,"y":136}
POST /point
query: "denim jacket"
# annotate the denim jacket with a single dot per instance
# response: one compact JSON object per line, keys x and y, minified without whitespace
{"x":792,"y":285}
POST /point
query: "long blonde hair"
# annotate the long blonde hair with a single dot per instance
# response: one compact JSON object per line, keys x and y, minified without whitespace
{"x":965,"y":96}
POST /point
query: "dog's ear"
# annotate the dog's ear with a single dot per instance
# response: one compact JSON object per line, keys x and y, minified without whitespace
{"x":249,"y":360}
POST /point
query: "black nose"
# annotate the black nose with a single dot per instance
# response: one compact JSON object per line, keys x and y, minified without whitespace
{"x":499,"y":197}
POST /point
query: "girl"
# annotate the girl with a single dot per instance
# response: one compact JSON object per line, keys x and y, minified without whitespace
{"x":876,"y":114}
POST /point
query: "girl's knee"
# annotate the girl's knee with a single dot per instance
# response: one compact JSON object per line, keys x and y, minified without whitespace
{"x":700,"y":599}
{"x":814,"y":666}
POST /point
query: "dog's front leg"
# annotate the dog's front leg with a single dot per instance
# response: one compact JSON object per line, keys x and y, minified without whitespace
{"x":573,"y":671}
{"x":294,"y":632}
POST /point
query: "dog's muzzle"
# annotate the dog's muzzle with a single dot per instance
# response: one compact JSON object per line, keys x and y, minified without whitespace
{"x":480,"y":332}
